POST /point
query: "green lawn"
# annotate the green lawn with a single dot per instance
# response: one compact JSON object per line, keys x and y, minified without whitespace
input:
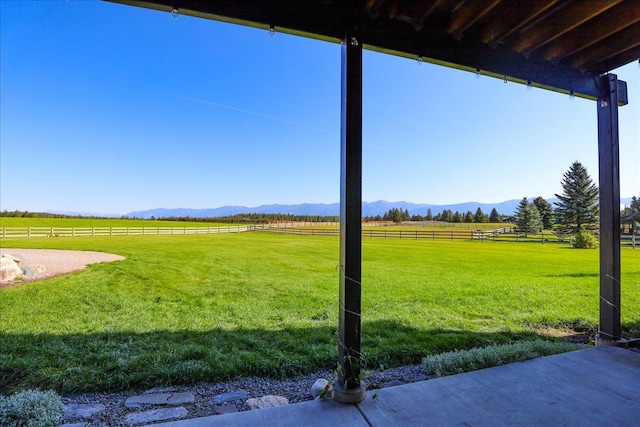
{"x":181,"y":309}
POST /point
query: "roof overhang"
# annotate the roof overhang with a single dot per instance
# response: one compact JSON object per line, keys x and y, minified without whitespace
{"x":560,"y":45}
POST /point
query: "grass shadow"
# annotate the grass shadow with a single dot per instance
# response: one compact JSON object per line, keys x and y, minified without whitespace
{"x":132,"y":361}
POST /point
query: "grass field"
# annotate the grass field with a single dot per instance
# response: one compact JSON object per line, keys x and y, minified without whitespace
{"x":182,"y":309}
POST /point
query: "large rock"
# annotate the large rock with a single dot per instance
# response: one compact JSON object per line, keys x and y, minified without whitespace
{"x":155,"y":415}
{"x":321,"y":388}
{"x":80,"y":410}
{"x":268,"y":401}
{"x":9,"y":268}
{"x":172,"y":399}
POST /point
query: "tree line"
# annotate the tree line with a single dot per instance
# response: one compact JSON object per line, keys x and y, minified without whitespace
{"x":398,"y":216}
{"x":576,"y":211}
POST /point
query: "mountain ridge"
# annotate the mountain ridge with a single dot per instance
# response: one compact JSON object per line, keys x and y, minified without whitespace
{"x":378,"y":207}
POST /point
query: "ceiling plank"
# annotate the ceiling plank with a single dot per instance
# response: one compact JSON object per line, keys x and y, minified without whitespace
{"x":511,"y":18}
{"x":558,"y":22}
{"x":592,"y":31}
{"x":607,"y":48}
{"x":464,"y":17}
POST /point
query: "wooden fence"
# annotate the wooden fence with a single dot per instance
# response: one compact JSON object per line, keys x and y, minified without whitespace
{"x":504,"y":234}
{"x":14,"y":232}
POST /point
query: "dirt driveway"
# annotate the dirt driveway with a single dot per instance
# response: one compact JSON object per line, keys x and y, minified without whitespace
{"x":53,"y":262}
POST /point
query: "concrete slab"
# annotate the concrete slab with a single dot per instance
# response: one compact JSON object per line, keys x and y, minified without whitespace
{"x":315,"y":413}
{"x":592,"y":387}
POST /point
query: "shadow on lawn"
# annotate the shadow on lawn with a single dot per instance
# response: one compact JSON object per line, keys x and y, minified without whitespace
{"x":128,"y":361}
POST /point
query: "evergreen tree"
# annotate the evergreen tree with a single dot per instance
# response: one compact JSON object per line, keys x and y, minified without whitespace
{"x":528,"y":218}
{"x":546,"y":212}
{"x":457,"y":217}
{"x":429,"y":215}
{"x":635,"y":205}
{"x":578,"y":204}
{"x":494,"y":216}
{"x":479,"y":216}
{"x":468,"y":217}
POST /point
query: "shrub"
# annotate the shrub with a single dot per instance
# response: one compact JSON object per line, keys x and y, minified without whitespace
{"x":585,"y":240}
{"x":457,"y":362}
{"x":31,"y":408}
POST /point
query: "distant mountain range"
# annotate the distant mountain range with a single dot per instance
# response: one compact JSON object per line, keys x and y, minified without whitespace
{"x":333,"y":209}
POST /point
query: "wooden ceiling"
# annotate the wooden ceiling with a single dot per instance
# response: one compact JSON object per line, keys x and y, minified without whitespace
{"x":561,"y":45}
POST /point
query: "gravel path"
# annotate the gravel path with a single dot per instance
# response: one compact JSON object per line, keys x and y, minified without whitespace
{"x":295,"y":390}
{"x":54,"y":262}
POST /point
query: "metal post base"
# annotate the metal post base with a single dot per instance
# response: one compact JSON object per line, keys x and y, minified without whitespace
{"x":350,"y":396}
{"x":603,"y":341}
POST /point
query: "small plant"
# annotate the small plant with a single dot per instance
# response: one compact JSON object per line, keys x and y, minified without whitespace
{"x":585,"y":240}
{"x":31,"y":408}
{"x":457,"y":362}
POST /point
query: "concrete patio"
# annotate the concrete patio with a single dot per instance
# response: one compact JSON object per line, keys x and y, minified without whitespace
{"x":594,"y":387}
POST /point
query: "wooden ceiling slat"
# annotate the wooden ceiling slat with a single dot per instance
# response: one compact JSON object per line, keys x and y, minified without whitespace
{"x":511,"y":18}
{"x":606,"y":49}
{"x":619,"y":60}
{"x":591,"y":32}
{"x":558,"y":22}
{"x":464,"y":17}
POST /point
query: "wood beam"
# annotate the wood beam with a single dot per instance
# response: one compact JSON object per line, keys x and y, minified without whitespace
{"x":348,"y":388}
{"x":609,"y":173}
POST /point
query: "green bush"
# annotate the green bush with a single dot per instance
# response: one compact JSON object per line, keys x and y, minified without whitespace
{"x":585,"y":240}
{"x":457,"y":362}
{"x":31,"y":408}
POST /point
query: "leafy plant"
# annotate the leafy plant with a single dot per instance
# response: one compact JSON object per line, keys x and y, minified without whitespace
{"x":459,"y":361}
{"x":31,"y":408}
{"x":585,"y":240}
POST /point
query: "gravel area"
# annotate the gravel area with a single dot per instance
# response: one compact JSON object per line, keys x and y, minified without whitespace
{"x":295,"y":390}
{"x":45,"y":263}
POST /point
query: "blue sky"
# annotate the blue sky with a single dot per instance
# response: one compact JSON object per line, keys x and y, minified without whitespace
{"x":111,"y":109}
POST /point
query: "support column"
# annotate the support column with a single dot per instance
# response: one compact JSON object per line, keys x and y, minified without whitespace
{"x":609,"y":167}
{"x":348,"y":387}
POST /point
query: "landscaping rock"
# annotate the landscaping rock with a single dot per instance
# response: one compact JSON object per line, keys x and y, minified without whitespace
{"x":268,"y":401}
{"x":80,"y":410}
{"x":319,"y":388}
{"x":72,"y":425}
{"x":172,"y":399}
{"x":155,"y":415}
{"x":228,"y":397}
{"x":161,"y":390}
{"x":9,"y":268}
{"x":226,"y":409}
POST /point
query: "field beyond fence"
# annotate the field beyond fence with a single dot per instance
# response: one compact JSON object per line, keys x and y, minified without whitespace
{"x":380,"y":230}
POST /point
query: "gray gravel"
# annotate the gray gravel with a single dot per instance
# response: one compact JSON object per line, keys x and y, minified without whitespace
{"x":295,"y":390}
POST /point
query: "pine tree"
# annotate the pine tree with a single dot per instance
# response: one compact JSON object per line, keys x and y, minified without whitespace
{"x":528,"y":218}
{"x":479,"y":216}
{"x":468,"y":217}
{"x":546,"y":212}
{"x":494,"y":216}
{"x":429,"y":215}
{"x":578,"y":204}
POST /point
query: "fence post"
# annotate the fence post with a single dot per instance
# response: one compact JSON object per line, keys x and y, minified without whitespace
{"x":452,"y":235}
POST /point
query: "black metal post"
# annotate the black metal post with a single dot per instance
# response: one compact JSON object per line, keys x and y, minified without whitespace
{"x":348,"y":387}
{"x":609,"y":167}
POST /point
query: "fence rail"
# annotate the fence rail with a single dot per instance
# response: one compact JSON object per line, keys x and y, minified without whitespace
{"x":504,"y":234}
{"x":15,"y":232}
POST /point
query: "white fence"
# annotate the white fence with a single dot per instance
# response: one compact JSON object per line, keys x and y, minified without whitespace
{"x":15,"y":232}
